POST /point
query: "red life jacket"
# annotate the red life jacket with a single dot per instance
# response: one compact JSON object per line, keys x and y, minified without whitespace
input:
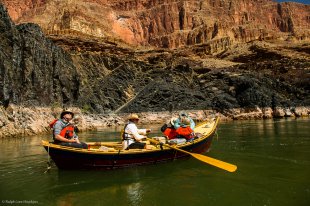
{"x":170,"y":133}
{"x":52,"y":123}
{"x":185,"y":132}
{"x":67,"y":132}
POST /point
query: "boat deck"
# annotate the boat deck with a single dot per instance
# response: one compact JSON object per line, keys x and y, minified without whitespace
{"x":203,"y":131}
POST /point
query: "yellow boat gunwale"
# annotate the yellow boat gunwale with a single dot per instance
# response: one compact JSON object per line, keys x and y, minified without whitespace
{"x":135,"y":151}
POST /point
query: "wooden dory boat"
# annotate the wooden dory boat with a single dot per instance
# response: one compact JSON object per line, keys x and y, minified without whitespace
{"x":114,"y":157}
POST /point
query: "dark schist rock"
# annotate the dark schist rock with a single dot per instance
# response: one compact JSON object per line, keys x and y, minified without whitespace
{"x":102,"y":77}
{"x":34,"y":71}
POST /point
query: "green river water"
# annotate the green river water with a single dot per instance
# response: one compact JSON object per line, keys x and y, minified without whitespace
{"x":273,"y":159}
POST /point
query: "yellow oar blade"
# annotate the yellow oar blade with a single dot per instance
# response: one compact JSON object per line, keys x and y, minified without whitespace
{"x":217,"y":163}
{"x":209,"y":160}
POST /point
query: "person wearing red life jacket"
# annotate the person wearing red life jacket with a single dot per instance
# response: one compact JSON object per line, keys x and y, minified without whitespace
{"x":64,"y":132}
{"x":185,"y":130}
{"x":182,"y":116}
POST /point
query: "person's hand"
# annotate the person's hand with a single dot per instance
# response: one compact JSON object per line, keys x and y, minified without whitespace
{"x":76,"y":140}
{"x":144,"y":138}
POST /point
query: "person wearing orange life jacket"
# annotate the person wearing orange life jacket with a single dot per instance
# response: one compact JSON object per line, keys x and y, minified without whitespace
{"x":64,"y":134}
{"x":183,"y":115}
{"x":185,"y":131}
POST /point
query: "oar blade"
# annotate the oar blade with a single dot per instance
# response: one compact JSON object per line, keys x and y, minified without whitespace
{"x":217,"y":163}
{"x":209,"y":160}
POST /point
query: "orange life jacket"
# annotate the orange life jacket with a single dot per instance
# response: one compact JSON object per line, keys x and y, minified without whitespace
{"x":170,"y":133}
{"x":52,"y":123}
{"x":66,"y":132}
{"x":185,"y":132}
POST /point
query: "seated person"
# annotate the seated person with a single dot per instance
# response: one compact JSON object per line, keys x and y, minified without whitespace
{"x":132,"y":136}
{"x":185,"y":131}
{"x":176,"y":136}
{"x":64,"y":134}
{"x":183,"y":115}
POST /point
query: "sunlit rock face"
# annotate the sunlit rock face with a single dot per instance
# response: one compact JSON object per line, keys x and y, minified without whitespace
{"x":73,"y":68}
{"x":81,"y":58}
{"x":168,"y":23}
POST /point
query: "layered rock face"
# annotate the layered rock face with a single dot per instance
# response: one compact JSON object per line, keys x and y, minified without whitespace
{"x":259,"y":79}
{"x":101,"y":77}
{"x":19,"y":8}
{"x":169,"y":23}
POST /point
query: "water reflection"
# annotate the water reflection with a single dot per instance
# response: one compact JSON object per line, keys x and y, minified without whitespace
{"x":131,"y":194}
{"x":272,"y":158}
{"x":97,"y":187}
{"x":134,"y":194}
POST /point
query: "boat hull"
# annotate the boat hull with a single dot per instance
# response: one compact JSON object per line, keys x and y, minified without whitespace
{"x":66,"y":159}
{"x":74,"y":158}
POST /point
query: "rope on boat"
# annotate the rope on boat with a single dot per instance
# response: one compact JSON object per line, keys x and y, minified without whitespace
{"x":175,"y":154}
{"x":116,"y":158}
{"x":49,"y":164}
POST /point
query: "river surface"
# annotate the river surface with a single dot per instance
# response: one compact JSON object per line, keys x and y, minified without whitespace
{"x":273,"y":159}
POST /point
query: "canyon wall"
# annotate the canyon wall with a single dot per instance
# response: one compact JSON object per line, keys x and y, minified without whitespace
{"x":41,"y":75}
{"x":33,"y":70}
{"x":101,"y":77}
{"x":168,"y":23}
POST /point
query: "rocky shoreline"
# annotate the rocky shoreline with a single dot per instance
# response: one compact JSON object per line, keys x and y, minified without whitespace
{"x":19,"y":121}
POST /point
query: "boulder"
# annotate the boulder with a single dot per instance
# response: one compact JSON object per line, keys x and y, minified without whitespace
{"x":278,"y":112}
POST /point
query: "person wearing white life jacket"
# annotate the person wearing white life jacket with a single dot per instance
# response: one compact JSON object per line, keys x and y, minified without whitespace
{"x":132,"y":136}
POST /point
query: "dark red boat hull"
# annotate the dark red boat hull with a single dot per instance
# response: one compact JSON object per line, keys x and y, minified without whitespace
{"x":67,"y":159}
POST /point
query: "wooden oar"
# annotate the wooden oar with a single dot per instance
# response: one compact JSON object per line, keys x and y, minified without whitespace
{"x":209,"y":160}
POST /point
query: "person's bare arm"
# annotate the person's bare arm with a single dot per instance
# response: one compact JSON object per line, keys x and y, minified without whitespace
{"x":62,"y":139}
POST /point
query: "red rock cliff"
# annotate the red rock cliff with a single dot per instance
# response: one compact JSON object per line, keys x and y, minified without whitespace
{"x":169,"y":23}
